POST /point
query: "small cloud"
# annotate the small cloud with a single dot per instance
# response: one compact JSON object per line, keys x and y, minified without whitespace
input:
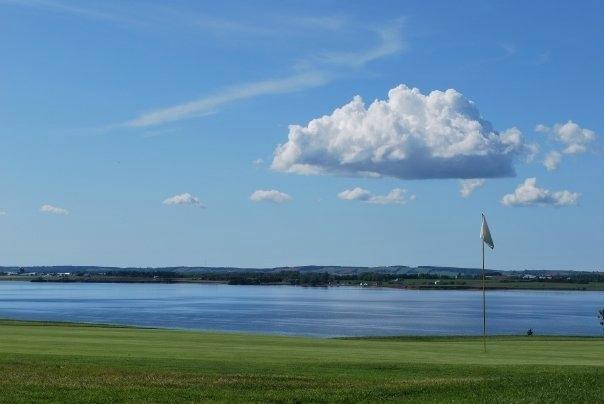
{"x":183,"y":199}
{"x":529,"y":194}
{"x":469,"y":186}
{"x":258,"y":162}
{"x":355,"y":194}
{"x":53,"y":210}
{"x":575,"y":138}
{"x":552,"y":160}
{"x":396,"y":196}
{"x":270,"y":195}
{"x":531,"y":151}
{"x":2,"y":213}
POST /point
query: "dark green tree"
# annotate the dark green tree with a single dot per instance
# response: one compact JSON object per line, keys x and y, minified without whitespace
{"x":601,"y":318}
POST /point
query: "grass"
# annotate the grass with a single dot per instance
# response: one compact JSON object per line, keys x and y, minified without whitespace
{"x":75,"y":363}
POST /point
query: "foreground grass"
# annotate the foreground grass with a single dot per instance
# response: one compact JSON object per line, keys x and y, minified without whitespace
{"x":67,"y":362}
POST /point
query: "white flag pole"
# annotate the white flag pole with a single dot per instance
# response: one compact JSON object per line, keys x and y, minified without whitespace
{"x":485,"y":238}
{"x":484,"y":305}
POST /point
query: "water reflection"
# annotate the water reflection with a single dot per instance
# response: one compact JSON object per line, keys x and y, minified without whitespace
{"x":323,"y":312}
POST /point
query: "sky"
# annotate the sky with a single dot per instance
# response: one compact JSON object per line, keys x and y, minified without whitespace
{"x":289,"y":133}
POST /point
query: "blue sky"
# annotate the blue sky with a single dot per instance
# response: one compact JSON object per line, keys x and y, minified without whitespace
{"x":147,"y":133}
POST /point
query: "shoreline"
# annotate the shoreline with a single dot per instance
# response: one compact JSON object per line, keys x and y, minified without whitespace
{"x":426,"y":285}
{"x":402,"y":337}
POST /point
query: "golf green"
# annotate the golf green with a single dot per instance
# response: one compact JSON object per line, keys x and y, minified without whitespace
{"x":75,"y":363}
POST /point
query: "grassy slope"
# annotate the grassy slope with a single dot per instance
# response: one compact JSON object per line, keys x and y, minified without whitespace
{"x":102,"y":364}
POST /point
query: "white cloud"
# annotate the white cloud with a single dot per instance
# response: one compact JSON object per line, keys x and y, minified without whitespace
{"x":390,"y":42}
{"x":76,"y":9}
{"x":466,"y":187}
{"x":529,"y":194}
{"x":270,"y":195}
{"x":316,"y":70}
{"x":574,"y":137}
{"x":531,"y":151}
{"x":552,"y":160}
{"x":258,"y":162}
{"x":355,"y":194}
{"x":410,"y":135}
{"x":2,"y":213}
{"x":183,"y":199}
{"x":54,"y":210}
{"x":207,"y":104}
{"x":396,"y":196}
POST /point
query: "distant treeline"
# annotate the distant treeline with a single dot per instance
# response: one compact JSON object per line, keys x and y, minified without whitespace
{"x":324,"y":278}
{"x":281,"y":277}
{"x":295,"y":277}
{"x":579,"y":277}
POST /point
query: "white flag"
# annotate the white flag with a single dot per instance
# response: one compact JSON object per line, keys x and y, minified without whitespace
{"x":485,"y":233}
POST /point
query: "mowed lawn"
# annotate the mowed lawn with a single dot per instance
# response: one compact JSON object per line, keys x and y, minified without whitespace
{"x":78,"y":363}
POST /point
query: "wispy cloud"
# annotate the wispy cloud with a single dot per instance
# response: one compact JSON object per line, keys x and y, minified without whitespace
{"x":78,"y":10}
{"x":317,"y":71}
{"x":390,"y":42}
{"x":313,"y":71}
{"x":504,"y":51}
{"x":207,"y":104}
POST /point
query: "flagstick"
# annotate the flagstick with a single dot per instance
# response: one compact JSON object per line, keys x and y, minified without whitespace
{"x":484,"y":307}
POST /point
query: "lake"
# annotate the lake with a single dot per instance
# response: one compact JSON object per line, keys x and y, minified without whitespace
{"x":292,"y":310}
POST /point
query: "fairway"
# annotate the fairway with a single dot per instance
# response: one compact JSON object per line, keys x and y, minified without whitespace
{"x":66,"y":362}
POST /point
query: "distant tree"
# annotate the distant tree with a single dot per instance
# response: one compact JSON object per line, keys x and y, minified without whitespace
{"x":529,"y":332}
{"x":601,"y":318}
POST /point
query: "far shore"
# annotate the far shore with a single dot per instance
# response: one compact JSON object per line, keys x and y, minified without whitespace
{"x":412,"y":284}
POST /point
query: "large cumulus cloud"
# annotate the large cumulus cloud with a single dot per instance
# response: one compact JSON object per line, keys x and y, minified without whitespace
{"x":410,"y":135}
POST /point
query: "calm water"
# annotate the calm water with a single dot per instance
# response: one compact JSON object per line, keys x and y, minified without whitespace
{"x":323,"y":312}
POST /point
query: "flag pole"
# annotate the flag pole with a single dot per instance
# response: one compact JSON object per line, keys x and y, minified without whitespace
{"x":484,"y":307}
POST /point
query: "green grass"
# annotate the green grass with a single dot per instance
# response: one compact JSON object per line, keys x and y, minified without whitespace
{"x":68,"y":362}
